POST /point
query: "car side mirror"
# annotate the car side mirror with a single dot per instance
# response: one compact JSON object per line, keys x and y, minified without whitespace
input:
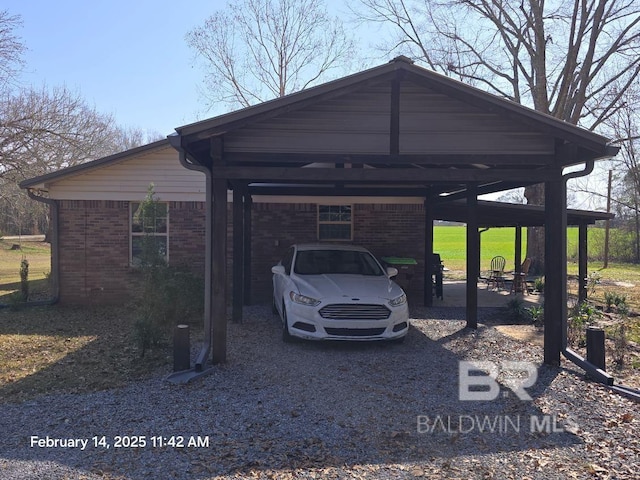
{"x":392,"y":272}
{"x":278,"y":270}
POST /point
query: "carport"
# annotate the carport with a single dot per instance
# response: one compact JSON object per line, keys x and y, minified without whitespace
{"x":396,"y":130}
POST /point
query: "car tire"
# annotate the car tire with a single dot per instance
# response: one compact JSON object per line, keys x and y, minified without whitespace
{"x":398,"y":341}
{"x":286,"y":336}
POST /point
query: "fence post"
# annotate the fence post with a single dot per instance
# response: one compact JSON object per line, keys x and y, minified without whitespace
{"x":595,"y":347}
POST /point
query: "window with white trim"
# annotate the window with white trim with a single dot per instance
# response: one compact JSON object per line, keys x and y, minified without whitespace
{"x":149,"y":231}
{"x":335,"y":222}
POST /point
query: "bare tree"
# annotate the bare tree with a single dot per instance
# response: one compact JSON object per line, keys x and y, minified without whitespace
{"x":256,"y":50}
{"x":44,"y":130}
{"x":11,"y":48}
{"x":573,"y":59}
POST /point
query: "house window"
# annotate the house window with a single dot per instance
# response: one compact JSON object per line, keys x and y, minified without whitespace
{"x":335,"y":222}
{"x":149,"y":232}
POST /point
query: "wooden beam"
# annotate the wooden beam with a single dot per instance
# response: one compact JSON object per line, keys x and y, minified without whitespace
{"x":238,"y":254}
{"x":219,"y":257}
{"x":394,"y":158}
{"x":555,"y":269}
{"x":335,"y":191}
{"x":384,"y":175}
{"x":473,"y":256}
{"x":582,"y":262}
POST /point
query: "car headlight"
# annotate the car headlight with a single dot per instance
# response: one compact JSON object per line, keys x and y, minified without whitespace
{"x":303,"y":299}
{"x":396,"y":302}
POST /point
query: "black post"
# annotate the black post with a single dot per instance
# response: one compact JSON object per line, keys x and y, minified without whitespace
{"x":595,"y":347}
{"x":181,"y":348}
{"x":428,"y":252}
{"x":247,"y":248}
{"x":555,"y":268}
{"x":473,"y":255}
{"x":582,"y":262}
{"x":238,"y":255}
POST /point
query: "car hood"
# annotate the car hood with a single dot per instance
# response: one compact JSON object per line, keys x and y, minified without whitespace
{"x":345,"y":285}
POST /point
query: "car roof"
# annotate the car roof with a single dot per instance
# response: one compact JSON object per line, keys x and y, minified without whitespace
{"x":329,"y":246}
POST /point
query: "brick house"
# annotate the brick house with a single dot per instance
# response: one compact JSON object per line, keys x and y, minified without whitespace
{"x":372,"y":158}
{"x":96,"y":202}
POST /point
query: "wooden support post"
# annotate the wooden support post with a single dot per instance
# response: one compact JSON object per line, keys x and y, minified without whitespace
{"x":219,"y":258}
{"x":582,"y":262}
{"x":428,"y":252}
{"x":473,"y":255}
{"x":238,"y":254}
{"x":247,"y":249}
{"x":555,"y":267}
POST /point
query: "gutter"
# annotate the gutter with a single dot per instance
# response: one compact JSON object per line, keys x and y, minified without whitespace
{"x":203,"y":356}
{"x":593,"y":371}
{"x":55,"y":259}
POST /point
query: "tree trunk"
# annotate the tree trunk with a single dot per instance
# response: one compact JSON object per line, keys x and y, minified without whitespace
{"x":535,"y":235}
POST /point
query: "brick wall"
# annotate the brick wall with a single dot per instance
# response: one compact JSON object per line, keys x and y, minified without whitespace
{"x":94,"y":251}
{"x":94,"y":243}
{"x":94,"y":248}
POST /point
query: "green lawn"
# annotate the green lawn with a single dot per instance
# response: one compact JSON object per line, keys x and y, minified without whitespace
{"x":39,"y":256}
{"x":450,"y":242}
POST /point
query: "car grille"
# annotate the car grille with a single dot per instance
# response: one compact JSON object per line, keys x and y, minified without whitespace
{"x":354,"y":311}
{"x":355,"y":332}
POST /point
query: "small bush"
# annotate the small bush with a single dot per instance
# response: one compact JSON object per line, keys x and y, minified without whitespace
{"x":538,"y":284}
{"x":516,"y":309}
{"x":620,"y":344}
{"x":24,"y":279}
{"x":537,"y":314}
{"x":582,"y":315}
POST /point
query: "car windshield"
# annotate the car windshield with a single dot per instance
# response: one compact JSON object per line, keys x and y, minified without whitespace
{"x":319,"y":262}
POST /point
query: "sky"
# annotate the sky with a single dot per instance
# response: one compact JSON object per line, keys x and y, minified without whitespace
{"x":128,"y":58}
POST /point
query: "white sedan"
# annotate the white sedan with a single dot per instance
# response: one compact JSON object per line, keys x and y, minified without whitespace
{"x":336,"y":292}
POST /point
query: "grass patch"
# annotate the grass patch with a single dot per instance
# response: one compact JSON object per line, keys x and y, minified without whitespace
{"x":39,"y":256}
{"x":62,"y":349}
{"x":451,"y":243}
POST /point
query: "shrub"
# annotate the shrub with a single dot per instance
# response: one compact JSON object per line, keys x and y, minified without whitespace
{"x":516,"y":309}
{"x":620,"y":344}
{"x":582,"y":315}
{"x":24,"y":279}
{"x":538,"y":284}
{"x":537,"y":314}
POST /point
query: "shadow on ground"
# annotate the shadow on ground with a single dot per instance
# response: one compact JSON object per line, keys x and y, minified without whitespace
{"x":279,"y":407}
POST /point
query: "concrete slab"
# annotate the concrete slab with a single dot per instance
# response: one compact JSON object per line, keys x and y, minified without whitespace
{"x":455,"y":295}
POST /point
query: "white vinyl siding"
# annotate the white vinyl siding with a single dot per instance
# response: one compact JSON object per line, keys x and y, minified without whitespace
{"x":130,"y":178}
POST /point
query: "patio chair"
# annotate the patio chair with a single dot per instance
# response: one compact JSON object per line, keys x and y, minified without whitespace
{"x":496,"y":274}
{"x":520,"y":278}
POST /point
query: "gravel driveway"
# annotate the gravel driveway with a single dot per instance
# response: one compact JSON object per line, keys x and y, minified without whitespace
{"x":333,"y":410}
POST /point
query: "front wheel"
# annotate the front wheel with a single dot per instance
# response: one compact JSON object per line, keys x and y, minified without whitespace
{"x":286,"y":336}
